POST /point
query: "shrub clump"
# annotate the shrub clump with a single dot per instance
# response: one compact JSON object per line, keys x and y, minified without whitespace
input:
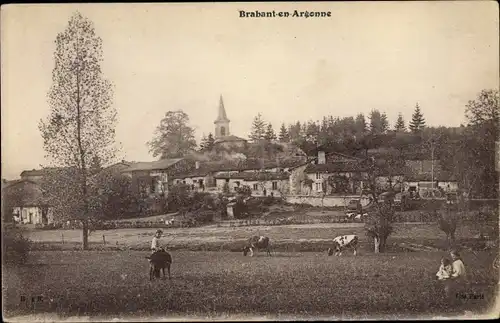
{"x":15,"y":247}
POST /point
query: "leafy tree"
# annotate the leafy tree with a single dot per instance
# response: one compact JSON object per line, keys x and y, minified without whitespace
{"x":81,"y":124}
{"x":360,"y":124}
{"x":270,"y":135}
{"x":312,"y":132}
{"x":258,"y":131}
{"x":378,"y":123}
{"x":112,"y":196}
{"x":210,"y":144}
{"x":417,"y":120}
{"x":294,"y":132}
{"x":174,"y":137}
{"x":283,"y":136}
{"x":378,"y":224}
{"x":207,"y":143}
{"x":203,"y":143}
{"x":400,"y":124}
{"x":244,"y":190}
{"x":483,"y":116}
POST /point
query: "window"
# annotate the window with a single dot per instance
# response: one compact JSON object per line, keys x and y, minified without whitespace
{"x":255,"y":187}
{"x":318,"y":176}
{"x":318,"y":187}
{"x":222,"y":131}
{"x":275,"y":186}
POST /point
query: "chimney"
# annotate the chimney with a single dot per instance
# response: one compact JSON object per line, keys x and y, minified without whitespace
{"x":321,"y":157}
{"x":197,"y":164}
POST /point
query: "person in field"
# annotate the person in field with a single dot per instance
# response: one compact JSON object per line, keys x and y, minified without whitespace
{"x":455,"y":284}
{"x":445,"y":270}
{"x":459,"y":274}
{"x":155,"y":243}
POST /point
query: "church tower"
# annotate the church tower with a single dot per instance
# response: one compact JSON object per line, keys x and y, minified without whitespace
{"x":222,"y":122}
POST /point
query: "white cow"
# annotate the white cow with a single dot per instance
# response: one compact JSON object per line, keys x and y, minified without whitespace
{"x":257,"y":242}
{"x":342,"y":242}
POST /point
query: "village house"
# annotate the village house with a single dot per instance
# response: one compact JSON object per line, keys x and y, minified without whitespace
{"x":261,"y":183}
{"x":262,"y":176}
{"x":152,"y":178}
{"x":25,"y":199}
{"x":423,"y":175}
{"x":334,"y":173}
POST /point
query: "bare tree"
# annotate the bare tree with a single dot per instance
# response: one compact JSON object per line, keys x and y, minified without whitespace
{"x":81,"y":124}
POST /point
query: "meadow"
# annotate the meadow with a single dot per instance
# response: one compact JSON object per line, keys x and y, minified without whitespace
{"x":287,"y":238}
{"x":111,"y":280}
{"x":111,"y":284}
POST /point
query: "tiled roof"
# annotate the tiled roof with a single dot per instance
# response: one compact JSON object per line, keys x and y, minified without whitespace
{"x":40,"y":172}
{"x":258,"y":176}
{"x":334,"y":168}
{"x":154,"y":165}
{"x":26,"y":192}
{"x":201,"y":172}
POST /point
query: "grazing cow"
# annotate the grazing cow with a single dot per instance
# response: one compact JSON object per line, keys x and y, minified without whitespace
{"x":159,"y":260}
{"x":257,"y":242}
{"x":342,"y":242}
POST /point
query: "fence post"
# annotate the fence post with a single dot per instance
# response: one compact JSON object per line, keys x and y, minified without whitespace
{"x":62,"y":238}
{"x":103,"y":239}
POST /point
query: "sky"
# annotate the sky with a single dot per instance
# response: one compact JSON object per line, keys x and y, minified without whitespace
{"x":162,"y":57}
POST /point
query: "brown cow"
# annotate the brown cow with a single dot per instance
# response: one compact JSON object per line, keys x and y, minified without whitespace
{"x":257,"y":242}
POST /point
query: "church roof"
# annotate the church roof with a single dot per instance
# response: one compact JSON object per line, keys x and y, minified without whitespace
{"x":229,"y":138}
{"x":222,"y":112}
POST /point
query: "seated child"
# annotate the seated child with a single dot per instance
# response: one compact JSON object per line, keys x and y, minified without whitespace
{"x":155,"y":243}
{"x":445,"y":270}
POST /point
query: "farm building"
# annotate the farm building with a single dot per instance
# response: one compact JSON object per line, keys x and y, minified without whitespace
{"x":152,"y":178}
{"x":261,"y":183}
{"x":24,"y":201}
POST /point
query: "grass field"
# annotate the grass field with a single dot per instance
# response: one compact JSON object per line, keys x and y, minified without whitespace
{"x":112,"y":280}
{"x":115,"y":284}
{"x":307,"y":237}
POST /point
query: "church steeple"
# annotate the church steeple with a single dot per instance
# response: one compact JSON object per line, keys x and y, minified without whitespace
{"x":222,"y":122}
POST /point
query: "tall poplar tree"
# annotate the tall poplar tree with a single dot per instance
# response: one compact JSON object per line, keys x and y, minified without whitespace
{"x":80,"y":128}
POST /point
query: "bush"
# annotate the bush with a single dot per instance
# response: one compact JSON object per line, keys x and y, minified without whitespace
{"x":240,"y":209}
{"x":15,"y":247}
{"x":204,"y":216}
{"x":244,"y":190}
{"x":487,"y":213}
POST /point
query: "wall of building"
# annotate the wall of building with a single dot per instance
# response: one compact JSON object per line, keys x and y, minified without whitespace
{"x":319,"y":178}
{"x":232,"y":184}
{"x":283,"y":186}
{"x":32,"y":214}
{"x":426,"y":185}
{"x":295,"y":180}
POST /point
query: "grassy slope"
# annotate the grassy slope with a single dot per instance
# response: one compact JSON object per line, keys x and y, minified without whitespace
{"x":109,"y":283}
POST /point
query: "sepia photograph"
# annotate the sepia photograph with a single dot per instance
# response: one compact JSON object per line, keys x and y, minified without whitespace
{"x":242,"y":161}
